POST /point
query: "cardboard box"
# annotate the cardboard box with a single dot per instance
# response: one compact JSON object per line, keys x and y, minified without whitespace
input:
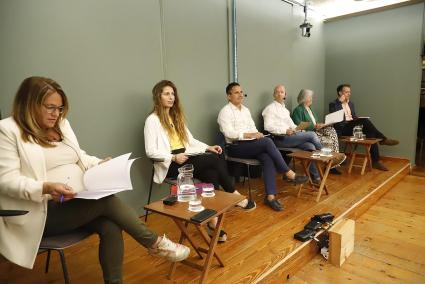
{"x":341,"y":241}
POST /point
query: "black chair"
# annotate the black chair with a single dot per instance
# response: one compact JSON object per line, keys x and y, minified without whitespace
{"x":57,"y":243}
{"x":221,"y":141}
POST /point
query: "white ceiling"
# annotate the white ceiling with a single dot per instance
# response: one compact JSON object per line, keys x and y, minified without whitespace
{"x":335,"y":8}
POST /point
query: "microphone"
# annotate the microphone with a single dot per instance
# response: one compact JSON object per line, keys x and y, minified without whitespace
{"x":245,"y":95}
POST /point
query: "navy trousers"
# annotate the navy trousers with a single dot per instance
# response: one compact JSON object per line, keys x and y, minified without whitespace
{"x":269,"y":156}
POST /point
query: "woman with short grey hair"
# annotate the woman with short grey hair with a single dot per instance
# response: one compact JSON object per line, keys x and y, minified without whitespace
{"x":303,"y":112}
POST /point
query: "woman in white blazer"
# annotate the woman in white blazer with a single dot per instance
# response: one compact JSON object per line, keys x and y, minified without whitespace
{"x":168,"y":138}
{"x":41,"y":169}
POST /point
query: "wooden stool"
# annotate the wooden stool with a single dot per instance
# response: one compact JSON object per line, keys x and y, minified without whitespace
{"x":352,"y":145}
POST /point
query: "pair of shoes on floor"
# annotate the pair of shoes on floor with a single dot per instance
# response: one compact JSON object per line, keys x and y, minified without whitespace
{"x":297,"y":179}
{"x":222,"y":237}
{"x":170,"y":250}
{"x":247,"y":205}
{"x":379,"y":166}
{"x":389,"y":142}
{"x":273,"y":204}
{"x":338,"y":159}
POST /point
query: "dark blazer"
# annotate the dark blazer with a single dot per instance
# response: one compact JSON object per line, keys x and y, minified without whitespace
{"x":337,"y":105}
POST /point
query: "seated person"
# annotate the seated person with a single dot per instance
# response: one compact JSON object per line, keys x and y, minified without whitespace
{"x":345,"y":128}
{"x":277,"y":121}
{"x":236,"y":123}
{"x":39,"y":151}
{"x":326,"y":134}
{"x":167,"y":137}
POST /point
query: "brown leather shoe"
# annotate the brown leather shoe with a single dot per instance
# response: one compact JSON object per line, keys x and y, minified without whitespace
{"x":379,"y":166}
{"x":389,"y":142}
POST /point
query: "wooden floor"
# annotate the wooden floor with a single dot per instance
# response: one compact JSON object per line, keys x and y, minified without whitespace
{"x":258,"y":241}
{"x":389,"y":242}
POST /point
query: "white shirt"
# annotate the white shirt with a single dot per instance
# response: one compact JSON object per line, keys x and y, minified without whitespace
{"x":310,"y":113}
{"x":61,"y":166}
{"x":234,"y":122}
{"x":277,"y":118}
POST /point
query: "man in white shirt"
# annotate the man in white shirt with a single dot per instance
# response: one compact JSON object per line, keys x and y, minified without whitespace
{"x":278,"y":122}
{"x":245,"y":141}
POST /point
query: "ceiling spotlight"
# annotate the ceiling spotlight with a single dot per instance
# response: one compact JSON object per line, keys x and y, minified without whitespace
{"x":306,"y":26}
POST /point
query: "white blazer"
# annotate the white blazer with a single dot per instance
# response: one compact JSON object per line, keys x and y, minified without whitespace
{"x":157,"y":146}
{"x":22,"y":173}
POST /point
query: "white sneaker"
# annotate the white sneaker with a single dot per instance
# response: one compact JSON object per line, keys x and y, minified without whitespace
{"x":169,"y":250}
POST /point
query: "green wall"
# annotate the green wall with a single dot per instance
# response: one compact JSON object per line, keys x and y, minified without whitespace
{"x":379,"y":55}
{"x":108,"y":54}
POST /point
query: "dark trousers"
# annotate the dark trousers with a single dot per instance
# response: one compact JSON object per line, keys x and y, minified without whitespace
{"x":269,"y":156}
{"x":369,"y":129}
{"x":107,"y":217}
{"x":208,"y":168}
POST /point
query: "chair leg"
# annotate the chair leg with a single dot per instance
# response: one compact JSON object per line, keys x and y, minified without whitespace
{"x":64,"y":267}
{"x":249,"y":183}
{"x":46,"y":269}
{"x":150,"y":194}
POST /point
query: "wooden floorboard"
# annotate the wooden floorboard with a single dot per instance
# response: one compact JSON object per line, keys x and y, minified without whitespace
{"x":389,"y":242}
{"x":258,"y":241}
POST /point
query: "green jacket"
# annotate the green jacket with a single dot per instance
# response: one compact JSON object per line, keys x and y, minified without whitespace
{"x":300,"y":114}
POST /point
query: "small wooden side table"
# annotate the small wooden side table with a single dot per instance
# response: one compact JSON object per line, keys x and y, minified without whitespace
{"x":306,"y":159}
{"x":221,"y":202}
{"x":351,"y":147}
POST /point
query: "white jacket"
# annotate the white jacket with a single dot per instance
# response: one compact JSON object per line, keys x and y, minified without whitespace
{"x":157,"y":146}
{"x":22,"y":173}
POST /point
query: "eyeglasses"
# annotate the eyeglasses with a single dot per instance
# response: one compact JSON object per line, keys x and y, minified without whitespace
{"x":51,"y":108}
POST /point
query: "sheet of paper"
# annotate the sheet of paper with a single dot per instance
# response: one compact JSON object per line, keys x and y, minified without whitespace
{"x":113,"y":174}
{"x":334,"y":117}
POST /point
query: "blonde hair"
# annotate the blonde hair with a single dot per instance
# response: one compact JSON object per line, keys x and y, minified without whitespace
{"x":27,"y":106}
{"x":176,"y":111}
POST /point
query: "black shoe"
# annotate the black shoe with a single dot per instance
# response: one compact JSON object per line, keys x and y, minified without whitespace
{"x":251,"y":205}
{"x":379,"y":166}
{"x":222,"y":237}
{"x":298,"y":179}
{"x":273,"y":204}
{"x":334,"y":171}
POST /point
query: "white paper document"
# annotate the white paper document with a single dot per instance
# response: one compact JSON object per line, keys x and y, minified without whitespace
{"x":334,"y":117}
{"x":107,"y":178}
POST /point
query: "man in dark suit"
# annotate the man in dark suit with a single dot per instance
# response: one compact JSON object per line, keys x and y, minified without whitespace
{"x":345,"y":128}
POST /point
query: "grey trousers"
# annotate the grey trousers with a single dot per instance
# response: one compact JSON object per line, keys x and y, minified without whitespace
{"x":107,"y":217}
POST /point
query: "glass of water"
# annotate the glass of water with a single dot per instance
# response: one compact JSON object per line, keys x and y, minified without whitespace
{"x":208,"y":191}
{"x":195,"y":205}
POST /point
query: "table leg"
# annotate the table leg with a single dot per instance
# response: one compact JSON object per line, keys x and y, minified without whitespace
{"x":368,"y":156}
{"x":353,"y":157}
{"x":325,"y":176}
{"x":183,"y":235}
{"x":211,"y":248}
{"x":306,"y":165}
{"x":207,"y":240}
{"x":365,"y":160}
{"x":319,"y":168}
